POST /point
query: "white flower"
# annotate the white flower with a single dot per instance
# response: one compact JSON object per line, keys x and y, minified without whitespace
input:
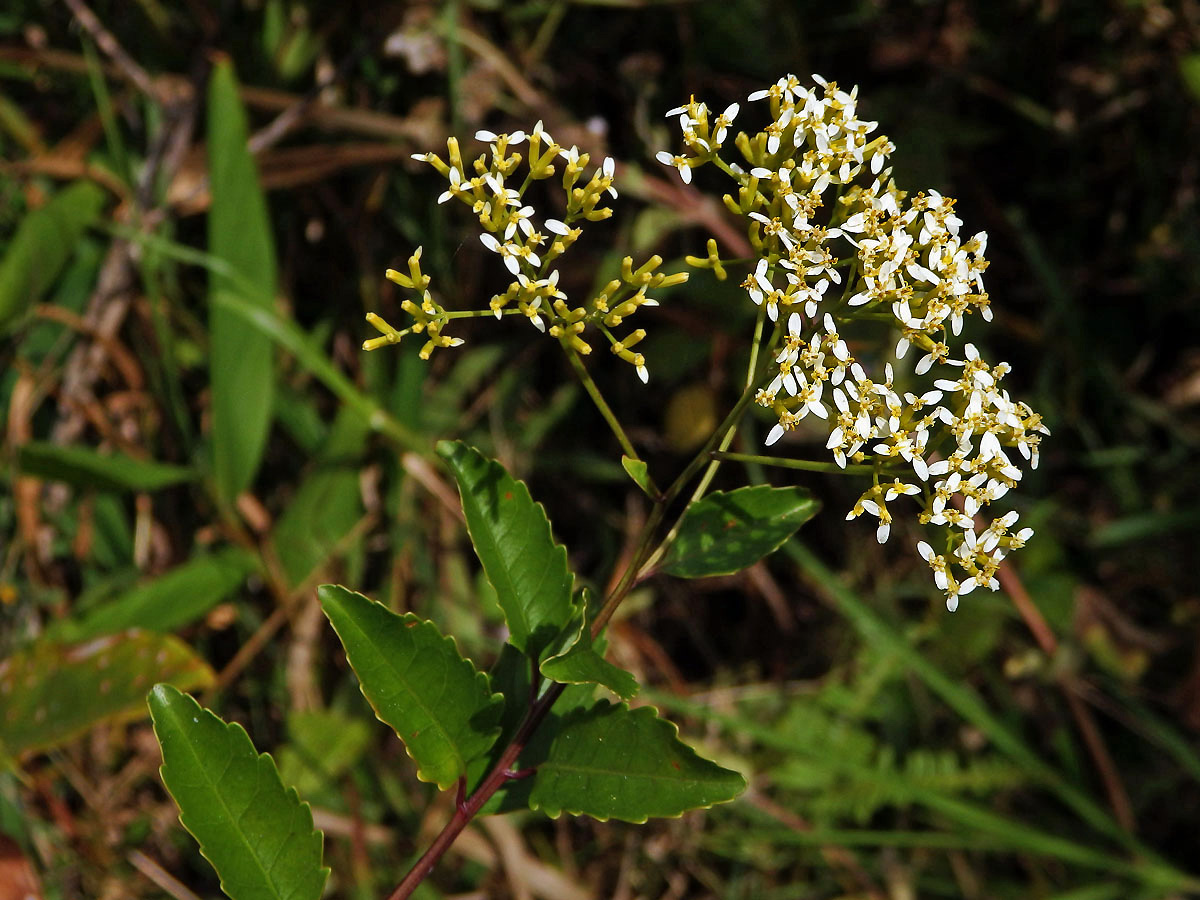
{"x":723,"y":121}
{"x":512,"y":253}
{"x":837,"y":345}
{"x":539,"y":134}
{"x":898,"y":488}
{"x":519,"y":218}
{"x":490,"y":137}
{"x":456,"y":185}
{"x":609,"y":168}
{"x":679,"y":162}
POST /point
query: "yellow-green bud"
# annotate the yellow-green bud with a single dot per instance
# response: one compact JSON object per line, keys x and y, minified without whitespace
{"x":455,"y":154}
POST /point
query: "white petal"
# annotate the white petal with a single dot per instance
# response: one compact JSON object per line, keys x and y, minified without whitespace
{"x":920,"y":468}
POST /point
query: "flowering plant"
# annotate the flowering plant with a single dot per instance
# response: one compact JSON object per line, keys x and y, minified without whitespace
{"x":840,"y":250}
{"x":851,"y":278}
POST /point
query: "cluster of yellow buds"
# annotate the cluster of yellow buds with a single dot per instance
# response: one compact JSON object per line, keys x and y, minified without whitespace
{"x":528,"y":249}
{"x":839,"y":245}
{"x":428,"y":316}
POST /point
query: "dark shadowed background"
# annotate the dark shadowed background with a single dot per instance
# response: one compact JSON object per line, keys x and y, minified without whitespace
{"x":1040,"y":742}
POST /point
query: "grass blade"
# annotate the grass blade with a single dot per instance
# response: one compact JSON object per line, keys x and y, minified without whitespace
{"x":239,"y":232}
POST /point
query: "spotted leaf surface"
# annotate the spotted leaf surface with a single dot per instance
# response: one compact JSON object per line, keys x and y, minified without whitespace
{"x":255,"y":832}
{"x":50,"y":692}
{"x":728,"y":531}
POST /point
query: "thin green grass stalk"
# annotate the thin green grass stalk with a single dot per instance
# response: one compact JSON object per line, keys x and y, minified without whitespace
{"x":1007,"y":835}
{"x":968,"y":704}
{"x":601,"y":404}
{"x":288,"y":335}
{"x":108,"y":119}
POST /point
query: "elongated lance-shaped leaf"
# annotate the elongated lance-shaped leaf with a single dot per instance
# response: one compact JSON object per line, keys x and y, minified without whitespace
{"x":418,"y":683}
{"x":52,"y":692}
{"x":257,"y":834}
{"x":43,"y":244}
{"x":611,"y":762}
{"x":180,"y":596}
{"x":84,"y":467}
{"x":239,"y":233}
{"x":512,"y":538}
{"x":727,"y":531}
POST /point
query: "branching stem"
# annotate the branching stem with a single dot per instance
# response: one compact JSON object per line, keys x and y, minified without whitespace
{"x":601,"y":404}
{"x":642,"y":558}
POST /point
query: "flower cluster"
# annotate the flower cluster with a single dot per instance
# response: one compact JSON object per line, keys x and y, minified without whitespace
{"x":529,"y":250}
{"x":838,"y":244}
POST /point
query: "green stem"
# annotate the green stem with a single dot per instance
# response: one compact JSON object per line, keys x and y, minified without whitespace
{"x":724,"y":434}
{"x":720,"y":434}
{"x":807,"y":465}
{"x":727,"y":436}
{"x":475,"y":314}
{"x":597,"y":398}
{"x":752,"y":368}
{"x":642,"y":557}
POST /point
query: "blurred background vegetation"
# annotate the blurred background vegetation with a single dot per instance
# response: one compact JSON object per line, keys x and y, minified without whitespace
{"x":1041,"y":742}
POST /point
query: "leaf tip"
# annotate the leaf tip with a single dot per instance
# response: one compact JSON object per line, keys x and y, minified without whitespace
{"x":162,"y":694}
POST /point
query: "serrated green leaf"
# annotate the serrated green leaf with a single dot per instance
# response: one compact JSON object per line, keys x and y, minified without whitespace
{"x":611,"y":762}
{"x":581,"y":662}
{"x":52,"y":692}
{"x":438,"y":704}
{"x":638,"y":471}
{"x":510,"y":676}
{"x":42,"y":245}
{"x":583,"y":665}
{"x":239,"y":234}
{"x":257,"y":834}
{"x":180,"y":596}
{"x":727,"y":531}
{"x":87,"y":468}
{"x":512,"y":538}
